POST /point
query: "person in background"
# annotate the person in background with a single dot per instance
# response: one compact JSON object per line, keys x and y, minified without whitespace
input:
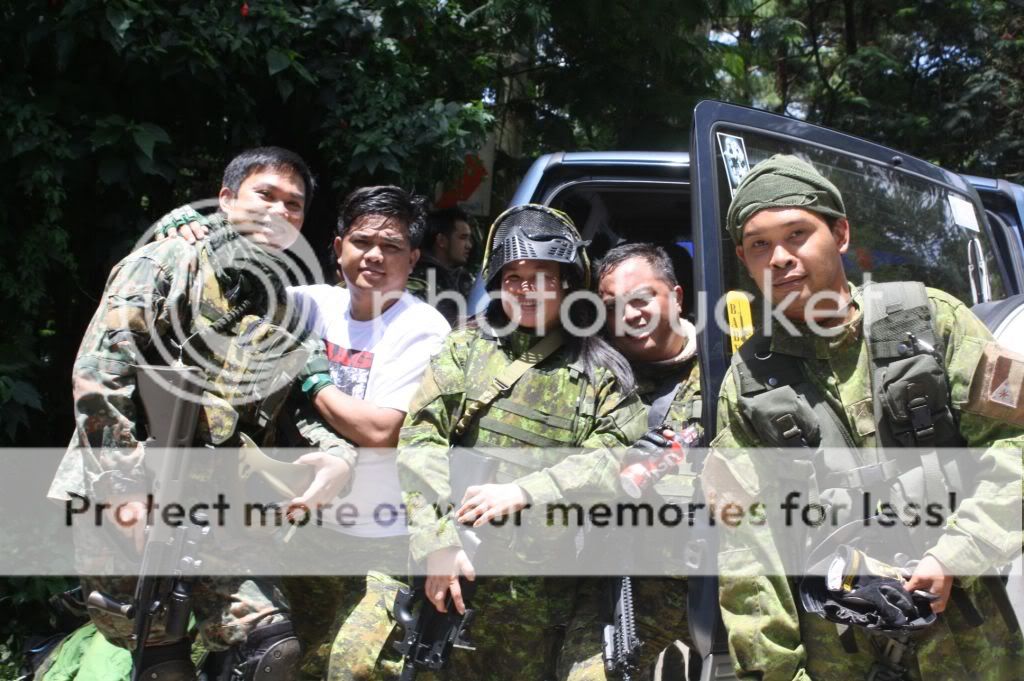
{"x":440,"y":276}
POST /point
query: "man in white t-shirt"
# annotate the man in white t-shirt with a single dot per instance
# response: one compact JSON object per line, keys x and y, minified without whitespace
{"x":378,"y":340}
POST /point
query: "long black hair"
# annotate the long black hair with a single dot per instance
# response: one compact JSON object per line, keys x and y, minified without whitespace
{"x":591,"y":351}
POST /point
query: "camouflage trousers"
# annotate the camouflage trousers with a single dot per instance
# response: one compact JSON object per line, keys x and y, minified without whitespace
{"x":519,"y":629}
{"x":660,"y":604}
{"x":344,"y":621}
{"x":226,"y":608}
{"x":949,"y":649}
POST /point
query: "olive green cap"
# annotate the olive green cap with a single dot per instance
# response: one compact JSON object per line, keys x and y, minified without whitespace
{"x":782,"y":182}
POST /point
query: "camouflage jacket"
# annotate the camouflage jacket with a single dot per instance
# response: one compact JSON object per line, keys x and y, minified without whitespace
{"x":153,"y":297}
{"x":760,"y":612}
{"x":552,"y":407}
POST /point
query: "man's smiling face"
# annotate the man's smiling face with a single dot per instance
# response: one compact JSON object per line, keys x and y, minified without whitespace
{"x":269,"y":207}
{"x":376,"y":254}
{"x":791,"y":251}
{"x":642,"y":308}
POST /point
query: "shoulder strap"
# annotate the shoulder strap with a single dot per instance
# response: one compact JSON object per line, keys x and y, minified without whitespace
{"x":898,"y":325}
{"x":893,"y":312}
{"x":757,"y":369}
{"x":507,"y":377}
{"x":658,"y":410}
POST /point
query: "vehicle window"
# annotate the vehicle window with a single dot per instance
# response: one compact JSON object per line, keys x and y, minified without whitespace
{"x":902,"y":227}
{"x":609,"y":213}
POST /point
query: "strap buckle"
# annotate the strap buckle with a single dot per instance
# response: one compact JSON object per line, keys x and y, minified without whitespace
{"x":921,"y":419}
{"x":789,"y":430}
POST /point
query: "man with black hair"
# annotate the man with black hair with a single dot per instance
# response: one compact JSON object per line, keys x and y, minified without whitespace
{"x":200,"y":304}
{"x":875,"y":399}
{"x":440,"y":277}
{"x":644,"y":304}
{"x":377,"y":342}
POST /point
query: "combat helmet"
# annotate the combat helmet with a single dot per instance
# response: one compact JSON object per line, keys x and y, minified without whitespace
{"x":534,"y":232}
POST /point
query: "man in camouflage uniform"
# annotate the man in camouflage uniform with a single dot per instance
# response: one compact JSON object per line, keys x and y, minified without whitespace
{"x":790,"y":227}
{"x":576,"y":397}
{"x":219,"y":305}
{"x":644,"y":300}
{"x":441,"y":269}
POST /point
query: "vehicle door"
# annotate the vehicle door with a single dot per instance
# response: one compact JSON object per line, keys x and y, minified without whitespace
{"x":910,"y":220}
{"x":1004,"y":208}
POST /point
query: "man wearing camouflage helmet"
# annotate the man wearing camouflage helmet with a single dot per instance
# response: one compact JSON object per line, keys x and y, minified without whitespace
{"x":218,"y":305}
{"x":809,"y":383}
{"x":556,"y":431}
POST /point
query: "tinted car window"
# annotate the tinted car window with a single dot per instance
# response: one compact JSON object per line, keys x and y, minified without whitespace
{"x":902,"y":227}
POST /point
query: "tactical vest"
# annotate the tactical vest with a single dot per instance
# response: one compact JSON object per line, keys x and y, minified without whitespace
{"x":527,"y":428}
{"x":911,"y":404}
{"x":249,"y":366}
{"x":550,"y":408}
{"x":912,"y":408}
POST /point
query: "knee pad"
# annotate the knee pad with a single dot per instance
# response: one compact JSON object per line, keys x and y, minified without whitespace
{"x":167,"y":663}
{"x":270,"y":653}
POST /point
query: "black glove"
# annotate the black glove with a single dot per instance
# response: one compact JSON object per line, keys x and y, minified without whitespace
{"x":884,"y":598}
{"x":652,"y":444}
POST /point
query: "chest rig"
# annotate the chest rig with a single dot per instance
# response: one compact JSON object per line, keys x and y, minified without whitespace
{"x":910,"y":400}
{"x":520,"y":410}
{"x":913,"y":420}
{"x":244,"y":338}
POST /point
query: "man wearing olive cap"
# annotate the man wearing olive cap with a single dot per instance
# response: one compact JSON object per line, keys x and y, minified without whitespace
{"x":790,"y":228}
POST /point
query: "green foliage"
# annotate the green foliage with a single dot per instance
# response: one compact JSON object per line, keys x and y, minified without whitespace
{"x":115,"y":112}
{"x":942,"y":80}
{"x":17,"y":395}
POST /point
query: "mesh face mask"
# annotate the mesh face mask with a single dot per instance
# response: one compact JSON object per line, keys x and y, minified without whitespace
{"x":534,"y":232}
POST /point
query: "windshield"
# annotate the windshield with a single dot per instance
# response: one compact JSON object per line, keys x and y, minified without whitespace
{"x":903,"y":227}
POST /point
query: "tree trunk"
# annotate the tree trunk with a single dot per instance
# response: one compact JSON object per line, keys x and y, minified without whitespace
{"x":850,"y":17}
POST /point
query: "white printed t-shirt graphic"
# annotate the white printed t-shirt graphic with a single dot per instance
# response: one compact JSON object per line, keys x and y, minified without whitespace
{"x":381,"y":361}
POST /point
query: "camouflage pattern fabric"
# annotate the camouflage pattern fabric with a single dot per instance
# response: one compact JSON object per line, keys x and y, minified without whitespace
{"x":150,"y":290}
{"x":227,"y":610}
{"x":521,"y":620}
{"x":362,"y":648}
{"x":660,"y":602}
{"x":344,"y":621}
{"x":769,"y":638}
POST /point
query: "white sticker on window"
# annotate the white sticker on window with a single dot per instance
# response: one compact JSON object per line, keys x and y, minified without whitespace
{"x":963,"y":213}
{"x":734,"y":155}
